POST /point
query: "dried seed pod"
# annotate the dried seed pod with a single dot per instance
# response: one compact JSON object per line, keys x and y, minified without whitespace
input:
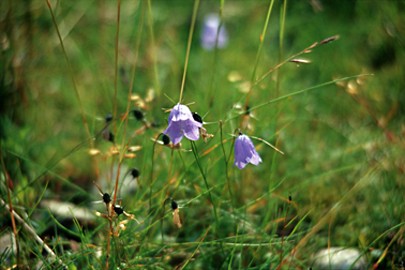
{"x":300,"y":61}
{"x":174,"y":205}
{"x":108,"y":118}
{"x":106,"y":198}
{"x":197,"y":117}
{"x":135,"y":173}
{"x":108,"y":135}
{"x":118,"y":209}
{"x":176,"y":215}
{"x":165,"y":139}
{"x":247,"y":110}
{"x":138,"y":114}
{"x":94,"y":152}
{"x":329,"y":39}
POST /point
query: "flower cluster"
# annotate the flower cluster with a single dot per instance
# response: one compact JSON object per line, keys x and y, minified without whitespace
{"x":183,"y":123}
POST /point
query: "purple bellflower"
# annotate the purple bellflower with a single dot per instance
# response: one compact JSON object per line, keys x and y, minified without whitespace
{"x":245,"y":152}
{"x":209,"y":33}
{"x":182,"y":123}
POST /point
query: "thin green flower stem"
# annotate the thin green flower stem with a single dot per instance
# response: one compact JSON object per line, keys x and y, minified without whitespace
{"x":190,"y":39}
{"x":231,"y":196}
{"x":197,"y":159}
{"x":154,"y":58}
{"x":116,"y":62}
{"x":215,"y":62}
{"x":259,"y":51}
{"x":151,"y":172}
{"x":281,"y":45}
{"x":111,"y":229}
{"x":83,"y":116}
{"x":270,"y":188}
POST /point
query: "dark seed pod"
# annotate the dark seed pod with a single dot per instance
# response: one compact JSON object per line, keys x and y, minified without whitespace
{"x":197,"y":117}
{"x":108,"y":118}
{"x":107,"y":135}
{"x":111,"y":137}
{"x":138,"y":114}
{"x":118,"y":209}
{"x":106,"y":198}
{"x":247,"y":110}
{"x":165,"y":139}
{"x":174,"y":205}
{"x":135,"y":173}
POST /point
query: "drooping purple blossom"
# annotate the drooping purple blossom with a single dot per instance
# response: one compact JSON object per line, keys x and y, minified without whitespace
{"x":209,"y":31}
{"x":245,"y":152}
{"x":182,"y":123}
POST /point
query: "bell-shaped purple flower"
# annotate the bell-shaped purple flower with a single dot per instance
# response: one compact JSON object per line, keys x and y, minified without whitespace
{"x":245,"y":152}
{"x":182,"y":123}
{"x":209,"y":33}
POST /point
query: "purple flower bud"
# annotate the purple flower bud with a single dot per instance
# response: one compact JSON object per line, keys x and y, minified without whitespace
{"x":245,"y":152}
{"x":209,"y":33}
{"x":182,"y":123}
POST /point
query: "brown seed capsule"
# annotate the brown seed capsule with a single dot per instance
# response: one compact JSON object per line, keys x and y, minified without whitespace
{"x":176,"y":219}
{"x":176,"y":215}
{"x":329,"y":39}
{"x":118,"y":209}
{"x":138,"y":114}
{"x":135,"y":173}
{"x":300,"y":61}
{"x":165,"y":139}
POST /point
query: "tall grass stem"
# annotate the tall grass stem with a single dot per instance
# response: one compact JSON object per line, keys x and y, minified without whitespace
{"x":190,"y":39}
{"x":259,"y":51}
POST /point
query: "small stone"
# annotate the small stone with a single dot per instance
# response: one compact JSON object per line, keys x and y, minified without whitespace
{"x":339,"y":258}
{"x":7,"y":245}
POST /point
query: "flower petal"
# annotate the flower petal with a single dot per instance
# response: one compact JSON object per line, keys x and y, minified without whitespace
{"x":182,"y":123}
{"x":174,"y":132}
{"x":180,"y":112}
{"x":190,"y":129}
{"x":255,"y":158}
{"x":240,"y":155}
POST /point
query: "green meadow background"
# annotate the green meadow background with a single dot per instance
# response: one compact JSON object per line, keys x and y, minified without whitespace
{"x":339,"y":120}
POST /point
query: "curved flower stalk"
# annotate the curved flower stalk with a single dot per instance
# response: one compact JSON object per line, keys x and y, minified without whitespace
{"x":245,"y":152}
{"x":182,"y":123}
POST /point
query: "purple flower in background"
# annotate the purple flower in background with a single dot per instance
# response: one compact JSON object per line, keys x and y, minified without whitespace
{"x":245,"y":152}
{"x":182,"y":123}
{"x":209,"y":33}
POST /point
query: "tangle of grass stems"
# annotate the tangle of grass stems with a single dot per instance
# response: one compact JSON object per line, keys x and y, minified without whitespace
{"x":83,"y":116}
